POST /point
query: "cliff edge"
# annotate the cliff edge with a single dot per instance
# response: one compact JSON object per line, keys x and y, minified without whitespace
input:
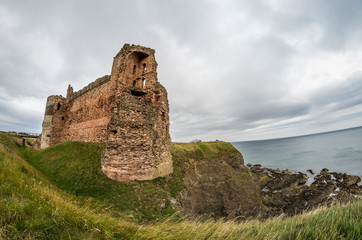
{"x":217,"y":184}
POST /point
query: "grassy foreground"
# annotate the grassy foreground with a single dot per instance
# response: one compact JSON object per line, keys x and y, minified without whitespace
{"x":41,"y":202}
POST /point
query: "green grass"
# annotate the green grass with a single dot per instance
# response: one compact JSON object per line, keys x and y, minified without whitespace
{"x":33,"y":208}
{"x":75,"y":167}
{"x":40,"y":202}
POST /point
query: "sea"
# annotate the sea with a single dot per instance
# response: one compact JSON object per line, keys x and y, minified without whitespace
{"x":339,"y":151}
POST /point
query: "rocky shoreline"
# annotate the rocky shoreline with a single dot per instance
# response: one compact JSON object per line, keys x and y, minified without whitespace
{"x":286,"y":192}
{"x":221,"y":186}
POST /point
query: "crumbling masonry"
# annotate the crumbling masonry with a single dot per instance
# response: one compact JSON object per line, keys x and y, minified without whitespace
{"x":127,"y":110}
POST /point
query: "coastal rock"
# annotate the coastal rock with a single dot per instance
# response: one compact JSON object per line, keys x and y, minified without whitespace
{"x":221,"y":187}
{"x":337,"y":176}
{"x":324,"y":171}
{"x":255,"y":167}
{"x":285,"y":192}
{"x":270,"y":179}
{"x":349,"y":180}
{"x":310,"y":171}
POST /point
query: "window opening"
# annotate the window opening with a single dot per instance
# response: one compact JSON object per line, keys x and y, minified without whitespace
{"x":58,"y":106}
{"x":62,"y":118}
{"x":143,"y":82}
{"x":144,"y":68}
{"x":134,"y":83}
{"x":138,"y":93}
{"x":134,"y":69}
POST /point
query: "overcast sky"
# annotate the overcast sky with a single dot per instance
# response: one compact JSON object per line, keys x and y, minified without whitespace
{"x":234,"y":70}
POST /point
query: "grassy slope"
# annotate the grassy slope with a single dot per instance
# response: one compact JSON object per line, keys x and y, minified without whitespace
{"x":75,"y":168}
{"x":31,"y":206}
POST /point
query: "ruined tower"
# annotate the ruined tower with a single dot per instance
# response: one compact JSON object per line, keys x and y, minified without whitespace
{"x":127,"y":110}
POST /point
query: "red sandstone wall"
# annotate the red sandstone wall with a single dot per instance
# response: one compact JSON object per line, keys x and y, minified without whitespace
{"x":128,"y":66}
{"x":85,"y":117}
{"x":138,"y":145}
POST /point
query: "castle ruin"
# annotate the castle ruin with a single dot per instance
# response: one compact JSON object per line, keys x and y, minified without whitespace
{"x":127,"y":110}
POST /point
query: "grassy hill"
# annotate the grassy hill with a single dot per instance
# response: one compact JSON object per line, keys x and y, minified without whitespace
{"x":61,"y":193}
{"x":75,"y":168}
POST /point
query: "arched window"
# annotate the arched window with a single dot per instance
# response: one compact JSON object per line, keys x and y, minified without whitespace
{"x":134,"y":69}
{"x":58,"y":106}
{"x":144,"y":68}
{"x":143,"y":82}
{"x":134,"y":83}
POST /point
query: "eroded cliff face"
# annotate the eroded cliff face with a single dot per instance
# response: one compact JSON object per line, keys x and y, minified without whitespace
{"x":222,"y":187}
{"x":217,"y":184}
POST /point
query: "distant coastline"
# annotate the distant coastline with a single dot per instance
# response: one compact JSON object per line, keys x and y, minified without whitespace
{"x":313,"y":151}
{"x":297,"y":136}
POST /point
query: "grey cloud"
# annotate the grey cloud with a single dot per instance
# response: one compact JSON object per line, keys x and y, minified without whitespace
{"x":338,"y":20}
{"x":276,"y":111}
{"x":340,"y":95}
{"x":225,"y":64}
{"x":220,"y":125}
{"x":18,"y":118}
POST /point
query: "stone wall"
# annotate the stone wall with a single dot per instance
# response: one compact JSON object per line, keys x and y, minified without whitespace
{"x":93,"y":85}
{"x":84,"y":115}
{"x":51,"y":107}
{"x":138,"y":130}
{"x":127,"y":110}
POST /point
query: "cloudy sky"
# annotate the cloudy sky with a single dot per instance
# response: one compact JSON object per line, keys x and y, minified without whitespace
{"x":234,"y":70}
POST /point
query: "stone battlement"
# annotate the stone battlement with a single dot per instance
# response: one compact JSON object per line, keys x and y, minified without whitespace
{"x":127,"y":110}
{"x":89,"y":87}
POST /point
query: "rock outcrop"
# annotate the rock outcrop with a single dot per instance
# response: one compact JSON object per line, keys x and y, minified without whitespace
{"x":218,"y":185}
{"x":221,"y":187}
{"x":286,"y":192}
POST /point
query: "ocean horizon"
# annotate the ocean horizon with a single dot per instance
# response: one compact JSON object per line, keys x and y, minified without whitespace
{"x":339,"y":151}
